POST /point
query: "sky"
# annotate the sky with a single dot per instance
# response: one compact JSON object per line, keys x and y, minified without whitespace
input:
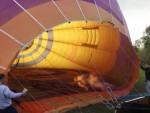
{"x":137,"y":15}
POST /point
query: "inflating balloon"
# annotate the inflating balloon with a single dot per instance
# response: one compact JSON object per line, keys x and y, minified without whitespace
{"x":66,"y":52}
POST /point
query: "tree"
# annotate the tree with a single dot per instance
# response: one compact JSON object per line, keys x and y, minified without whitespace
{"x":137,"y":45}
{"x":146,"y":38}
{"x":142,"y":46}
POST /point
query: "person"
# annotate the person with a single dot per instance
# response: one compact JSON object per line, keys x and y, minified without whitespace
{"x":6,"y":95}
{"x":146,"y":68}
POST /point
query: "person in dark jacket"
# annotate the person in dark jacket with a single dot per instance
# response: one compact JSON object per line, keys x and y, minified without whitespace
{"x":146,"y":68}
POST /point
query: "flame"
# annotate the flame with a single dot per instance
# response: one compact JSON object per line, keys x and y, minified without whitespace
{"x":92,"y":80}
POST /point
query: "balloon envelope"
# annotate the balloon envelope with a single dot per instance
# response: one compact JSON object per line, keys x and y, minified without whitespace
{"x":68,"y":49}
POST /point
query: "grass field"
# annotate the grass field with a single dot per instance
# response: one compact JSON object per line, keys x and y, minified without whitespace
{"x":100,"y":108}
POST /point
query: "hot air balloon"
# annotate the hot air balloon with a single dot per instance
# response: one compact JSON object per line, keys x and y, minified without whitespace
{"x":66,"y":52}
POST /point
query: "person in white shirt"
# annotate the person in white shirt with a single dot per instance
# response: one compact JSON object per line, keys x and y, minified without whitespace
{"x":6,"y":95}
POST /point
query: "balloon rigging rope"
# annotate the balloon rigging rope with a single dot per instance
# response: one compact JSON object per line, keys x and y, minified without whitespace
{"x":60,"y":11}
{"x":3,"y":68}
{"x":77,"y":70}
{"x":11,"y":37}
{"x":30,"y":15}
{"x":28,"y":92}
{"x":100,"y":19}
{"x":24,"y":87}
{"x":71,"y":88}
{"x":117,"y":70}
{"x":81,"y":10}
{"x":59,"y":80}
{"x":111,"y":12}
{"x":65,"y":84}
{"x":53,"y":91}
{"x":85,"y":79}
{"x":122,"y":49}
{"x":68,"y":21}
{"x":45,"y":29}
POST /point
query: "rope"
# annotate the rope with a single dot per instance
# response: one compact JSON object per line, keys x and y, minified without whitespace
{"x":80,"y":109}
{"x":11,"y":37}
{"x":102,"y":100}
{"x":28,"y":92}
{"x":103,"y":81}
{"x":123,"y":21}
{"x":122,"y":49}
{"x":3,"y":68}
{"x":30,"y":14}
{"x":81,"y":10}
{"x":132,"y":86}
{"x":60,"y":81}
{"x":100,"y":19}
{"x":55,"y":92}
{"x":108,"y":103}
{"x":60,"y":11}
{"x":68,"y":20}
{"x":107,"y":88}
{"x":129,"y":57}
{"x":76,"y":90}
{"x":133,"y":64}
{"x":130,"y":60}
{"x":79,"y":100}
{"x":111,"y":12}
{"x":133,"y":96}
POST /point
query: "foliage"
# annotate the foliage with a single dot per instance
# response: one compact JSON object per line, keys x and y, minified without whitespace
{"x":142,"y":46}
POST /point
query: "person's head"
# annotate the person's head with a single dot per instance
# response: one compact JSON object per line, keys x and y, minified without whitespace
{"x":146,"y":65}
{"x":2,"y":76}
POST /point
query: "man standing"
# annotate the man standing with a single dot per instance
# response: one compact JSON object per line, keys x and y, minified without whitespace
{"x":5,"y":97}
{"x":146,"y":68}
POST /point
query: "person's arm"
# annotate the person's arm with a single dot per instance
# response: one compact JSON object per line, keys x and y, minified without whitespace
{"x":142,"y":67}
{"x":8,"y":93}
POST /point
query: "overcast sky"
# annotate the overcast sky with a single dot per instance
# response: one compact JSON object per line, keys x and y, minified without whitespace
{"x":137,"y":15}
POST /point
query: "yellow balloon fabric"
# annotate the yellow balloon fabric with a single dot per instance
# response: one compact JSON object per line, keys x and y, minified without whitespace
{"x":75,"y":45}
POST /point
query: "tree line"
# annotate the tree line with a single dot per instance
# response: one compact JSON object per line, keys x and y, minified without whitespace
{"x":142,"y":47}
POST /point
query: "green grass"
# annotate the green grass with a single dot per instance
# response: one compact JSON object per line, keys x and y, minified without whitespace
{"x":140,"y":85}
{"x":100,"y":108}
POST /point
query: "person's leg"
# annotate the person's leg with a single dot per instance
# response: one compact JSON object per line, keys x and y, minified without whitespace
{"x":2,"y":111}
{"x":11,"y":109}
{"x":148,"y":87}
